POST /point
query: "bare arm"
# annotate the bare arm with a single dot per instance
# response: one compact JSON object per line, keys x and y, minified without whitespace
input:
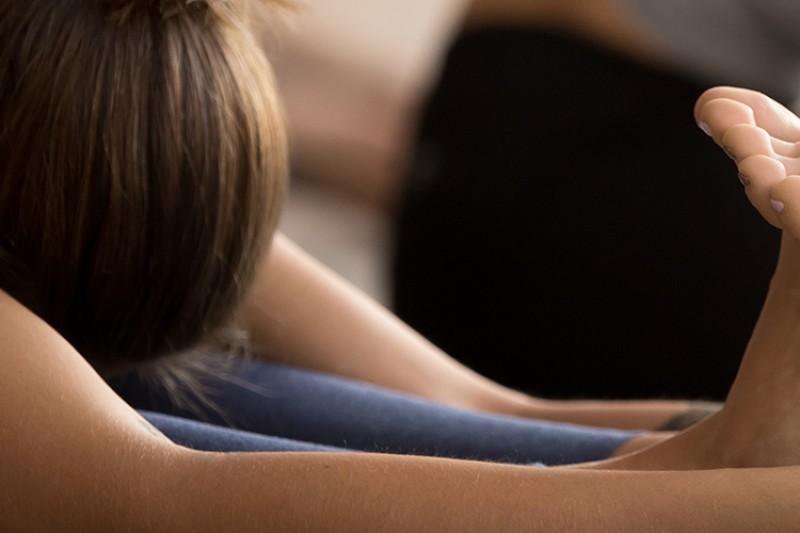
{"x":76,"y":458}
{"x":391,"y":493}
{"x":304,"y":315}
{"x":72,"y":453}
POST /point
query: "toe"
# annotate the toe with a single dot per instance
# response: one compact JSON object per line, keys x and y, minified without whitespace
{"x":784,"y":148}
{"x":744,"y":140}
{"x":785,"y":197}
{"x":760,"y":174}
{"x":768,"y":114}
{"x":721,"y":114}
{"x":791,"y":164}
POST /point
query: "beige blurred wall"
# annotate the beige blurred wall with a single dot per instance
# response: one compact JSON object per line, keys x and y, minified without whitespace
{"x":352,"y":73}
{"x":399,"y":38}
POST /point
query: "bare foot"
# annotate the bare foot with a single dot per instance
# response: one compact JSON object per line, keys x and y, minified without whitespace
{"x":759,"y":425}
{"x":763,"y":138}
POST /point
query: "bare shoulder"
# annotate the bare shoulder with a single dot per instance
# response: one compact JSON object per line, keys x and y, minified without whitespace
{"x":69,"y":447}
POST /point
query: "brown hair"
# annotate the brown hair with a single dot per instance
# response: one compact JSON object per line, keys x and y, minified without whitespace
{"x":142,"y":168}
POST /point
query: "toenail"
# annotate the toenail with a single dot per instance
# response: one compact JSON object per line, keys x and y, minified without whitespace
{"x":777,"y":205}
{"x":729,"y":151}
{"x":744,"y":179}
{"x":705,"y":127}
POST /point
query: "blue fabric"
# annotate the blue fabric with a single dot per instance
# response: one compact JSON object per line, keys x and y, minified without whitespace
{"x":257,"y":399}
{"x":210,"y":438}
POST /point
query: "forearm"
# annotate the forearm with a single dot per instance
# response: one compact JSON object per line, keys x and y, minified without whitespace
{"x":76,"y":458}
{"x":344,"y":492}
{"x":664,"y":415}
{"x":301,"y":314}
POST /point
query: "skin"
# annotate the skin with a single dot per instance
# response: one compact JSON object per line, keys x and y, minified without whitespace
{"x":316,"y":331}
{"x":75,"y":457}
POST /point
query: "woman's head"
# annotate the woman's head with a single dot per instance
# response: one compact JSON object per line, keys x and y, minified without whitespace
{"x":142,"y":167}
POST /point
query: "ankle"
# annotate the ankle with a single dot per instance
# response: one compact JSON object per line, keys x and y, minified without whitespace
{"x":720,"y":441}
{"x":731,"y":442}
{"x":756,"y":436}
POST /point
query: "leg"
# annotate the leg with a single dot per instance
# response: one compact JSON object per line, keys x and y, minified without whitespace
{"x":759,"y":423}
{"x":284,"y":402}
{"x":210,"y":438}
